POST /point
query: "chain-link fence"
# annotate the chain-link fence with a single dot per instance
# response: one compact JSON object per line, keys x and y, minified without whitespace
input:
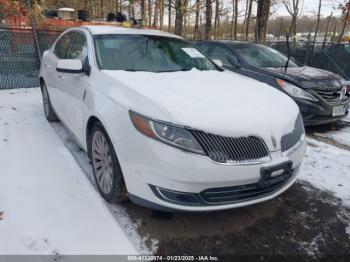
{"x":19,"y":60}
{"x":20,"y":63}
{"x":331,"y":57}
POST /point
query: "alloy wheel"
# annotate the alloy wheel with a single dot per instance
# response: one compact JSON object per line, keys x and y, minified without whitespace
{"x":102,"y":162}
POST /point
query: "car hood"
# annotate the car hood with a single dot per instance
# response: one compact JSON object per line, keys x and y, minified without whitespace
{"x":222,"y":103}
{"x":308,"y":77}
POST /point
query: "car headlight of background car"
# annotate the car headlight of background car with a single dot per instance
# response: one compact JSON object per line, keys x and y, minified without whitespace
{"x":346,"y":87}
{"x":166,"y":133}
{"x":295,"y":91}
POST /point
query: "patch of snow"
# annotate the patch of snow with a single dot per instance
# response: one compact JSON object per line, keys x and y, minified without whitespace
{"x":118,"y":211}
{"x":328,"y":168}
{"x":347,"y":230}
{"x":341,"y":136}
{"x":49,"y":205}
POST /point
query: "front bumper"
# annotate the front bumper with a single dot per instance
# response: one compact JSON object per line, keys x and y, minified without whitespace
{"x":146,"y":162}
{"x":320,"y":112}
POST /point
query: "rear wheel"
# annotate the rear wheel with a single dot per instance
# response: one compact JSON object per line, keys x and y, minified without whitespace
{"x":108,"y":174}
{"x":48,"y":109}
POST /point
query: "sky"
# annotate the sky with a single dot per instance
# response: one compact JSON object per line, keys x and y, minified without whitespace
{"x":310,"y":7}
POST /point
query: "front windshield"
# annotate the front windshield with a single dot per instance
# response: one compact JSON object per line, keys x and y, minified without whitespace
{"x":262,"y":56}
{"x":148,"y":53}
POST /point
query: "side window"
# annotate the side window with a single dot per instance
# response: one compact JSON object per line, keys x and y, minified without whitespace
{"x":78,"y":49}
{"x":222,"y":53}
{"x":63,"y":44}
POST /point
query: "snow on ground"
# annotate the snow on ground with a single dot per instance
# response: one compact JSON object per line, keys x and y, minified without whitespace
{"x":341,"y":135}
{"x":328,"y":168}
{"x":119,"y":212}
{"x":48,"y":204}
{"x":51,"y":207}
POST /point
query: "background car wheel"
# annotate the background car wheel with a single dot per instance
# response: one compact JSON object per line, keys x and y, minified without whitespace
{"x":49,"y":112}
{"x":108,"y":174}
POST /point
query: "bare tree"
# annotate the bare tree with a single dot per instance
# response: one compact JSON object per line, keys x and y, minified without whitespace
{"x":263,"y":13}
{"x":179,"y":15}
{"x":316,"y":32}
{"x":155,"y":14}
{"x":292,"y":7}
{"x":149,"y":13}
{"x":234,"y":19}
{"x":326,"y":34}
{"x":196,"y":23}
{"x":161,"y":14}
{"x":346,"y":12}
{"x":143,"y":11}
{"x":208,"y":18}
{"x":216,"y":19}
{"x":170,"y":10}
{"x":249,"y":14}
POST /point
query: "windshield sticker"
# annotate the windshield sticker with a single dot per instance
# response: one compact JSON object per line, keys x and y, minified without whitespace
{"x":192,"y":52}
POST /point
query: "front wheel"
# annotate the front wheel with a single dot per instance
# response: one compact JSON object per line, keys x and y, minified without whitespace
{"x":108,"y":174}
{"x":48,"y":109}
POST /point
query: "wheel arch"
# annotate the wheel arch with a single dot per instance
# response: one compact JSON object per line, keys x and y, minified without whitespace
{"x":41,"y":81}
{"x":90,"y":123}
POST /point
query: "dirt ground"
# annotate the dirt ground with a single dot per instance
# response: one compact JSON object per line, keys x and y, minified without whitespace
{"x":301,"y":222}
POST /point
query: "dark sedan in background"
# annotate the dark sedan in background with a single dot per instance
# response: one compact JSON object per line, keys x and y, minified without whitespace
{"x":322,"y":96}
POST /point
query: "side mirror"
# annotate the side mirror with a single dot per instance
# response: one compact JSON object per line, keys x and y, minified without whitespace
{"x":218,"y":62}
{"x":73,"y":66}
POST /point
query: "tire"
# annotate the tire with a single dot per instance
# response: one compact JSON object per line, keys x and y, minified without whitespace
{"x":107,"y":172}
{"x":48,"y":109}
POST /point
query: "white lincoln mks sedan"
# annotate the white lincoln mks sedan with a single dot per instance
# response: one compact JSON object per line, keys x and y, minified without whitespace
{"x":165,"y":126}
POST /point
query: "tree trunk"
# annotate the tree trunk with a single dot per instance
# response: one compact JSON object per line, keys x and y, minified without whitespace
{"x":263,"y":13}
{"x":236,"y":19}
{"x":327,"y":29}
{"x":143,"y":12}
{"x":316,"y":32}
{"x":169,"y":15}
{"x":149,"y":13}
{"x":178,"y":17}
{"x":249,"y":14}
{"x":344,"y":24}
{"x":155,"y":16}
{"x":208,"y":17}
{"x":216,"y":19}
{"x":196,"y":23}
{"x":161,"y":14}
{"x":117,"y":6}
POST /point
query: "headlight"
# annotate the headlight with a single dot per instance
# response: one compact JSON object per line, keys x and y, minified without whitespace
{"x":291,"y":140}
{"x":295,"y":91}
{"x":346,"y":87}
{"x":169,"y":134}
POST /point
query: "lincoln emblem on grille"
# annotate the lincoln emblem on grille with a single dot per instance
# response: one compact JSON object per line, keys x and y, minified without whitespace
{"x":274,"y":142}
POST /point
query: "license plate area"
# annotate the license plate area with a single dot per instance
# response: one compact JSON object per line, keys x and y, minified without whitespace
{"x":339,"y":110}
{"x":275,"y":174}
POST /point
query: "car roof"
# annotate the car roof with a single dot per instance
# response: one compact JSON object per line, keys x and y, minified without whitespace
{"x":107,"y":30}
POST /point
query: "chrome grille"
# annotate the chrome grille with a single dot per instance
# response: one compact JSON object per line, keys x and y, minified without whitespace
{"x":289,"y":140}
{"x":224,"y":149}
{"x":330,"y":96}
